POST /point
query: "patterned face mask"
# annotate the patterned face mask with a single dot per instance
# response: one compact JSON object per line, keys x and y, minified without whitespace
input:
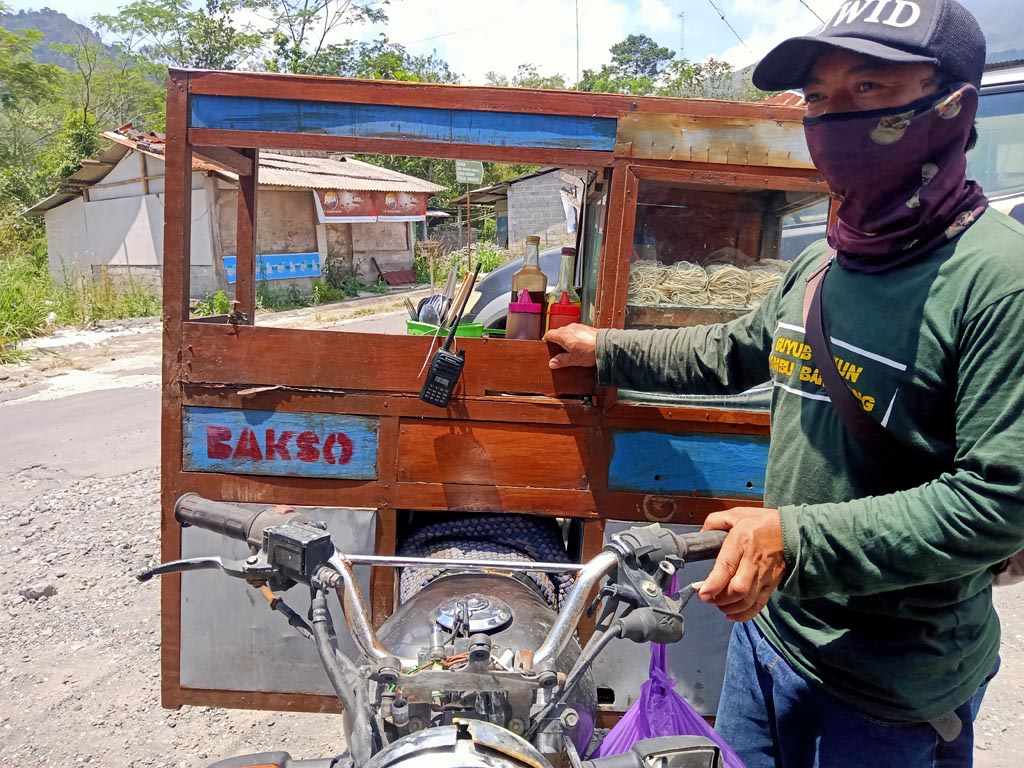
{"x":901,"y":175}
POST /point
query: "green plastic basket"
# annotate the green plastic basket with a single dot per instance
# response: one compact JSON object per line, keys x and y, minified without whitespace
{"x":465,"y":330}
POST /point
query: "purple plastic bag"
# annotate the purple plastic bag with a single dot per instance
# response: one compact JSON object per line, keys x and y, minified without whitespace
{"x":660,"y":711}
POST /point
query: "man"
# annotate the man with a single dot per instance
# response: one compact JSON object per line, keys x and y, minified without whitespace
{"x":868,"y":579}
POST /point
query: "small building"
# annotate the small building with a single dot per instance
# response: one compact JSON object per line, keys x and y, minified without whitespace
{"x":315,"y":213}
{"x":545,"y":203}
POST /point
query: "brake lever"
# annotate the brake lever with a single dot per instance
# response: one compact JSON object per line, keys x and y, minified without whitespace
{"x":253,"y":572}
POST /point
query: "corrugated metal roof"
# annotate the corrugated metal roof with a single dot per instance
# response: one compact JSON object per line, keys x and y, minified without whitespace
{"x":283,"y":170}
{"x":276,"y":169}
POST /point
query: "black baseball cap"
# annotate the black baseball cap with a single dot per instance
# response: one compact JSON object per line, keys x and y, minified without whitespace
{"x":940,"y":32}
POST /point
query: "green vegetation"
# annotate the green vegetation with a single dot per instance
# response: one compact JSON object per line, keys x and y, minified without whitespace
{"x":489,"y":255}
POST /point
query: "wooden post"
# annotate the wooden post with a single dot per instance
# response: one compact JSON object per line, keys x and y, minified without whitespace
{"x":245,"y":241}
{"x":177,"y":242}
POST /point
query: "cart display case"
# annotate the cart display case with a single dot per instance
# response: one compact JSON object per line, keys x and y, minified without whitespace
{"x":681,"y":225}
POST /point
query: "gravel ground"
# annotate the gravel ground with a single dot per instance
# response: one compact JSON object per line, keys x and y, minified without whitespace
{"x":79,"y":676}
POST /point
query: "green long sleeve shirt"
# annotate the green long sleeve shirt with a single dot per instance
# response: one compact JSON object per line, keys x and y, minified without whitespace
{"x":887,"y":599}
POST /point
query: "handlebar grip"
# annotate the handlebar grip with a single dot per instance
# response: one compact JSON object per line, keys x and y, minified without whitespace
{"x":703,"y":545}
{"x":219,"y":517}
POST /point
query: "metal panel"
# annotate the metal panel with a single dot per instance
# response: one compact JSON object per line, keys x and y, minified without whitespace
{"x":697,"y":662}
{"x":726,"y":466}
{"x":231,"y":640}
{"x":446,"y":126}
{"x":247,"y":442}
{"x":731,"y":140}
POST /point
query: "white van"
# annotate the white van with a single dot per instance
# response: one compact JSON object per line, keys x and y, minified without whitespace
{"x":997,"y":163}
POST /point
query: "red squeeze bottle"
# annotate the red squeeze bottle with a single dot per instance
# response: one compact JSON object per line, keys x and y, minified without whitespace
{"x":563,"y":312}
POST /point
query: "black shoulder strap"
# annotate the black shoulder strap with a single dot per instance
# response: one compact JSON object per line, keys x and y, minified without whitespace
{"x":865,"y":429}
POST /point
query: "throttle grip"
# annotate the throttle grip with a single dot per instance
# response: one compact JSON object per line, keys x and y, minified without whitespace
{"x":231,"y":521}
{"x":702,"y":545}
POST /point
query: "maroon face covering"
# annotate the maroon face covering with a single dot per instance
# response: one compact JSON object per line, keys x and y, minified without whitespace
{"x":901,"y":175}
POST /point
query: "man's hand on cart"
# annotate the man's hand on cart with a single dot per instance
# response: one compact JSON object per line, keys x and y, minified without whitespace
{"x":579,"y":342}
{"x":751,"y":564}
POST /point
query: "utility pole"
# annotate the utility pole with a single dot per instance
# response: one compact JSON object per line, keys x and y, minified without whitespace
{"x":682,"y":34}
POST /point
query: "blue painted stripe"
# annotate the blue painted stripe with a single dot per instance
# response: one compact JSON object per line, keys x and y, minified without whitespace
{"x":377,"y":121}
{"x":277,"y":266}
{"x":246,"y":442}
{"x":731,"y":466}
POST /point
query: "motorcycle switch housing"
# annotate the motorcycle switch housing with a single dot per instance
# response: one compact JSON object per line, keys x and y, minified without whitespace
{"x":298,"y":548}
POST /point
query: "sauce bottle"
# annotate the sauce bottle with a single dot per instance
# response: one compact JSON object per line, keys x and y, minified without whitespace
{"x":524,"y":318}
{"x":564,"y":302}
{"x":530,"y":277}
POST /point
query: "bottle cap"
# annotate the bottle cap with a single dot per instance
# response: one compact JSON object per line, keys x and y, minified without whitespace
{"x":524,"y":304}
{"x":533,"y":239}
{"x":568,"y":250}
{"x":564,"y":306}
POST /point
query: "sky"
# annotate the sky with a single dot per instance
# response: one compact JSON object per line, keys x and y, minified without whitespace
{"x":476,"y":37}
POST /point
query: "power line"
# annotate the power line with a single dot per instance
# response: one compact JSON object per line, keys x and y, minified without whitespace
{"x":730,"y":25}
{"x":805,"y":5}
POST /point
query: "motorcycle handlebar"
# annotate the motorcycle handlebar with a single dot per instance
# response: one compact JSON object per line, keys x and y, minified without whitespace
{"x":231,"y":521}
{"x":702,"y":545}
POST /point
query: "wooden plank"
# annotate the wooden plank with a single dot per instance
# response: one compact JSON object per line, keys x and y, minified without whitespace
{"x":354,"y":361}
{"x":618,"y":247}
{"x":282,"y":86}
{"x":550,"y":502}
{"x":698,"y":464}
{"x":382,"y":580}
{"x":385,"y":121}
{"x":726,"y":140}
{"x":677,"y":316}
{"x":177,"y":241}
{"x":485,"y":454}
{"x":526,"y":410}
{"x":227,"y":158}
{"x":674,"y":418}
{"x":741,"y":179}
{"x":245,"y":244}
{"x":253,"y":442}
{"x":268,"y":140}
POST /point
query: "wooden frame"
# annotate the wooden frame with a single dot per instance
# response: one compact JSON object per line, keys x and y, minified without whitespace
{"x":510,"y":408}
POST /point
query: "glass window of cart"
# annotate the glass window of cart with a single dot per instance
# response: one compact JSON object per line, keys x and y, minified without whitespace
{"x":702,"y":256}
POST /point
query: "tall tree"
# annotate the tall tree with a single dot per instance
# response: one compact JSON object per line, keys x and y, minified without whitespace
{"x":171,"y":32}
{"x":303,"y":28}
{"x":528,"y":76}
{"x":639,"y":56}
{"x":711,"y":79}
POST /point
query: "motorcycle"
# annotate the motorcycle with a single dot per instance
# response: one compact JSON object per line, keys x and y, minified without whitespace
{"x":475,"y":670}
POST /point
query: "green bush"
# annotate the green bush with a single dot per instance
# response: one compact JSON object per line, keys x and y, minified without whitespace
{"x":490,"y":256}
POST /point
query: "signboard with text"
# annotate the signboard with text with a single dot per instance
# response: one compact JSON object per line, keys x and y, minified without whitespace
{"x":345,"y":206}
{"x":244,"y":442}
{"x":469,"y":172}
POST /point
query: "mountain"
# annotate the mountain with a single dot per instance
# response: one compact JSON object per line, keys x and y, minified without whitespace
{"x":56,"y":28}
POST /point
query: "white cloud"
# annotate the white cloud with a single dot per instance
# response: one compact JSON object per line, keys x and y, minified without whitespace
{"x":475,"y":37}
{"x":774,"y":21}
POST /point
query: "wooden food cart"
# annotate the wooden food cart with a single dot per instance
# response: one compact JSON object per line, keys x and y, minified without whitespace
{"x":332,"y":420}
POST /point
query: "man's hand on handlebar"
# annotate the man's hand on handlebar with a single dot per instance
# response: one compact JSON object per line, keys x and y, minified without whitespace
{"x":751,"y":564}
{"x":580,"y":345}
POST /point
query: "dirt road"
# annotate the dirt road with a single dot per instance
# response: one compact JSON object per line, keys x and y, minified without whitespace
{"x":79,"y":638}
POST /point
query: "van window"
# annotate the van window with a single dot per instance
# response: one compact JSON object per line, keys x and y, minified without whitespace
{"x":997,"y":163}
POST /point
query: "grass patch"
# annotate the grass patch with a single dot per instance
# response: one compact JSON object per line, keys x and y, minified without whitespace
{"x":30,"y":303}
{"x":490,"y":256}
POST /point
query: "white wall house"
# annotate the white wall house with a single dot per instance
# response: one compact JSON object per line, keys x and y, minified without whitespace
{"x":107,"y":219}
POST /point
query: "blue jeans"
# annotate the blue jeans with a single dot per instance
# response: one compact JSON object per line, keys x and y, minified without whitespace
{"x":774,"y":719}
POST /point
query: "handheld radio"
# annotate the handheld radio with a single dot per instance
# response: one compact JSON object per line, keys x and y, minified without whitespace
{"x":446,"y":368}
